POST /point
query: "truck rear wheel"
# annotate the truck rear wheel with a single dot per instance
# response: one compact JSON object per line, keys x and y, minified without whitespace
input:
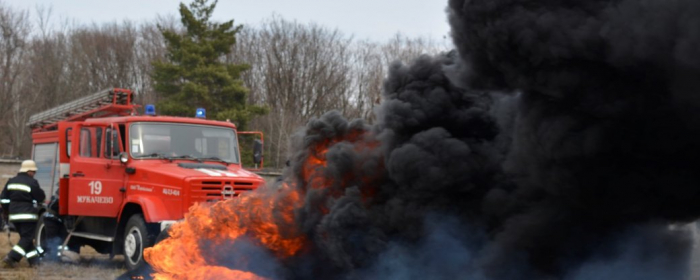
{"x":136,"y":238}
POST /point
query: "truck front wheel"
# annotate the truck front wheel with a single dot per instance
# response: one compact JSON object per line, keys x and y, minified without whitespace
{"x":136,"y":238}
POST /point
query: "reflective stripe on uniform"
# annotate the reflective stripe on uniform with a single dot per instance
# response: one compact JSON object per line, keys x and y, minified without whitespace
{"x":23,"y":217}
{"x":38,"y":249}
{"x":4,"y":201}
{"x":19,"y":187}
{"x":18,"y":250}
{"x":32,"y":254}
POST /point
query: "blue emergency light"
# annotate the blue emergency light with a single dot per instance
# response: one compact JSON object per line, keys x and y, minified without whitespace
{"x":150,"y":110}
{"x":201,"y":113}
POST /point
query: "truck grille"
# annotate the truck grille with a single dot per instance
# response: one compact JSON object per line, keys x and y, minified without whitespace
{"x":208,"y":190}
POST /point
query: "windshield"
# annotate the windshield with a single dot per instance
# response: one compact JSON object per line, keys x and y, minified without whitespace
{"x":168,"y":140}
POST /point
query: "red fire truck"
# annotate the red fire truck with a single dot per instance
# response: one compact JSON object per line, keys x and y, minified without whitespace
{"x":119,"y":178}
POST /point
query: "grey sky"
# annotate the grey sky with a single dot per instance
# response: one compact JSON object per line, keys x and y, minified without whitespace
{"x":371,"y":19}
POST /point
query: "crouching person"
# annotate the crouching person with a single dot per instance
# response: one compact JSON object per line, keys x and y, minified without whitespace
{"x":53,"y":235}
{"x":18,"y":198}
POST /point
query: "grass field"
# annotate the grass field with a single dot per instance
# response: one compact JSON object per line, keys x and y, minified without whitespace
{"x":92,"y":266}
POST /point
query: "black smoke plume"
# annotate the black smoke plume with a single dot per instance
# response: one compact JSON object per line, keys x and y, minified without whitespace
{"x":558,"y":137}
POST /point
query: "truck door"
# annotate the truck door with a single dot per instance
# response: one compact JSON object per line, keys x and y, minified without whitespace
{"x":96,"y":175}
{"x":65,"y":136}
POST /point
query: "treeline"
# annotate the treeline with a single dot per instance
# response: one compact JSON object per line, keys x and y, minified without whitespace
{"x":297,"y":70}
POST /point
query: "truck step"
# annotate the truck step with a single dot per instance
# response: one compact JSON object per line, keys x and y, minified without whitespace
{"x":93,"y":236}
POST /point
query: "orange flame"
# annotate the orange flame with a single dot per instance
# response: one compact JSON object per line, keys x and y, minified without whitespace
{"x":267,"y":217}
{"x":211,"y":272}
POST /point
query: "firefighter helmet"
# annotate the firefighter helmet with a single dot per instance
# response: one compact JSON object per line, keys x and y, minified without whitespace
{"x":28,"y":165}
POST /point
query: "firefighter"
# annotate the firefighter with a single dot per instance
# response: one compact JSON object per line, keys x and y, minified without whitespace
{"x":18,"y":199}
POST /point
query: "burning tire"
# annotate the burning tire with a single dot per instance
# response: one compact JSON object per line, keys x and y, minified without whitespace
{"x":136,"y":238}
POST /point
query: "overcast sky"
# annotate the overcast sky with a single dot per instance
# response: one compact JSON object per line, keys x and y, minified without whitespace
{"x":371,"y":19}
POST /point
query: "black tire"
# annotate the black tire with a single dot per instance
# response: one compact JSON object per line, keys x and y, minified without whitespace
{"x":136,"y":238}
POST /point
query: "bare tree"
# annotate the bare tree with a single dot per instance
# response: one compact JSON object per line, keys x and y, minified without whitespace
{"x":150,"y":46}
{"x":15,"y":27}
{"x":298,"y":71}
{"x":367,"y":76}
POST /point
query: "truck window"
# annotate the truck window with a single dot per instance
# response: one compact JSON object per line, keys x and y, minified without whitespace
{"x":85,"y":143}
{"x":68,"y":133}
{"x":122,"y":136}
{"x":112,"y":146}
{"x":90,"y":146}
{"x":154,"y":140}
{"x":98,"y":141}
{"x":45,"y":156}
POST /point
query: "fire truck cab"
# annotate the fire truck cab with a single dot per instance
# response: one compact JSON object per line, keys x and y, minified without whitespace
{"x":118,"y":179}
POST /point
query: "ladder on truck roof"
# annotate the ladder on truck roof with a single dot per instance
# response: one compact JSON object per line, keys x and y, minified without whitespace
{"x":106,"y":103}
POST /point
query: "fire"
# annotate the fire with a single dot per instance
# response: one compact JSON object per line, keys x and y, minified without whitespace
{"x":267,"y":217}
{"x":314,"y":165}
{"x":259,"y":215}
{"x":212,"y":272}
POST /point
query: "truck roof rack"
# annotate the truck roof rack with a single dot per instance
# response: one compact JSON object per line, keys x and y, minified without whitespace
{"x":106,"y":103}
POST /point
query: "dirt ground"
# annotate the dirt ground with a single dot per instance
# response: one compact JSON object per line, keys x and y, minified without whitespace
{"x":92,"y":266}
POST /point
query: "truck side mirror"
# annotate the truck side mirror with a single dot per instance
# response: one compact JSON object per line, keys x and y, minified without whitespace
{"x":123,"y":158}
{"x":257,"y":151}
